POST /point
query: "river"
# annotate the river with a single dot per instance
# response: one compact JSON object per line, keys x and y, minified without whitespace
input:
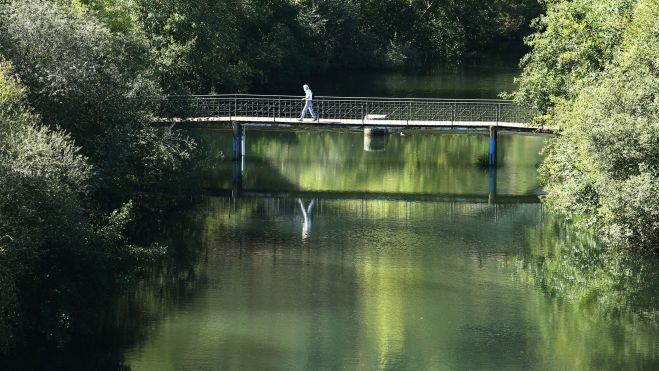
{"x":405,"y":258}
{"x":329,"y":252}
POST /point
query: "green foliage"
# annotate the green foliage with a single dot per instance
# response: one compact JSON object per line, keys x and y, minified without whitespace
{"x":87,"y":80}
{"x":115,"y":14}
{"x":241,"y":45}
{"x":603,"y":169}
{"x":574,"y":42}
{"x":42,"y":180}
{"x":223,"y":45}
{"x":71,"y":128}
{"x":359,"y":33}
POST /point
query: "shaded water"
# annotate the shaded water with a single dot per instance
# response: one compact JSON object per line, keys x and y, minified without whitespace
{"x":415,"y":162}
{"x":482,"y":79}
{"x":369,"y":271}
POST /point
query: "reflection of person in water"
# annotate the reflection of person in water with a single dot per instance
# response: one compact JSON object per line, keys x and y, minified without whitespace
{"x":306,"y":213}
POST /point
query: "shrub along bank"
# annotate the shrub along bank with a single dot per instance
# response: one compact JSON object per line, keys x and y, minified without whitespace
{"x":594,"y":72}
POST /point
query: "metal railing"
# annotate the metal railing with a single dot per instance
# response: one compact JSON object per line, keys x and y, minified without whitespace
{"x":344,"y":108}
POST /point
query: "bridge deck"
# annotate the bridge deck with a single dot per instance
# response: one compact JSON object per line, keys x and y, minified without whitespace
{"x":270,"y":121}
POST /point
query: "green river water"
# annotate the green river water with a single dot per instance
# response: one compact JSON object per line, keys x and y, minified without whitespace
{"x":411,"y":257}
{"x":408,"y":259}
{"x":325,"y":256}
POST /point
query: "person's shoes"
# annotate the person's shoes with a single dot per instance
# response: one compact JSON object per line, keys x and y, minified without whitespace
{"x":299,"y":119}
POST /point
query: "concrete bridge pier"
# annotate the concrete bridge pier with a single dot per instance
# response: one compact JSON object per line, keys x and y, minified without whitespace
{"x":492,"y":150}
{"x":375,"y":139}
{"x":238,"y":143}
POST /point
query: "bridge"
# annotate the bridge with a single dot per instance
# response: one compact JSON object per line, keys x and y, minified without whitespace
{"x":377,"y":116}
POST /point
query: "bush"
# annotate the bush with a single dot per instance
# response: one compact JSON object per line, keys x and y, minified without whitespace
{"x":603,"y":169}
{"x":92,"y":83}
{"x":53,"y":256}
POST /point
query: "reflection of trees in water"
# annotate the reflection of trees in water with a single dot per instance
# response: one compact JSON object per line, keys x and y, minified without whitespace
{"x":8,"y":303}
{"x":575,"y":267}
{"x":610,"y":299}
{"x":382,"y":274}
{"x":620,"y":286}
{"x":173,"y":280}
{"x":426,"y":162}
{"x":78,"y":318}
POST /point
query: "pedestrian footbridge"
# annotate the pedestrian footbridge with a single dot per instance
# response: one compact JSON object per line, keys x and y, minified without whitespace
{"x":375,"y":115}
{"x":349,"y":111}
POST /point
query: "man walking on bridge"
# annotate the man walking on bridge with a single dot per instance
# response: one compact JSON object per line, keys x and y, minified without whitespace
{"x":308,"y":104}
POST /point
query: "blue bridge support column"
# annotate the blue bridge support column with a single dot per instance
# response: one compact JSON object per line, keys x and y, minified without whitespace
{"x":492,"y":149}
{"x":491,"y":185}
{"x":237,"y":178}
{"x":238,"y":143}
{"x":238,"y":148}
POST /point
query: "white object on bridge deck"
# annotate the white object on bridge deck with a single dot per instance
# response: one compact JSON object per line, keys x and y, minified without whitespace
{"x":375,"y":117}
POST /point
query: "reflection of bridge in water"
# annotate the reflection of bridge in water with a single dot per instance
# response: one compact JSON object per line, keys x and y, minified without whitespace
{"x":312,"y":207}
{"x":486,"y":198}
{"x":375,"y":115}
{"x":491,"y":197}
{"x":476,"y":202}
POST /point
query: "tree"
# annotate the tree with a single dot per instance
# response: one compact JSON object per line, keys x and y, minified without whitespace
{"x":70,"y":126}
{"x":205,"y":46}
{"x":601,"y":89}
{"x":573,"y":44}
{"x":92,"y":83}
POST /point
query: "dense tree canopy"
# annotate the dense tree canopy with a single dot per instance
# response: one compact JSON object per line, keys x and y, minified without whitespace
{"x":51,"y":243}
{"x":71,"y":132}
{"x":84,"y":78}
{"x":231,"y":45}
